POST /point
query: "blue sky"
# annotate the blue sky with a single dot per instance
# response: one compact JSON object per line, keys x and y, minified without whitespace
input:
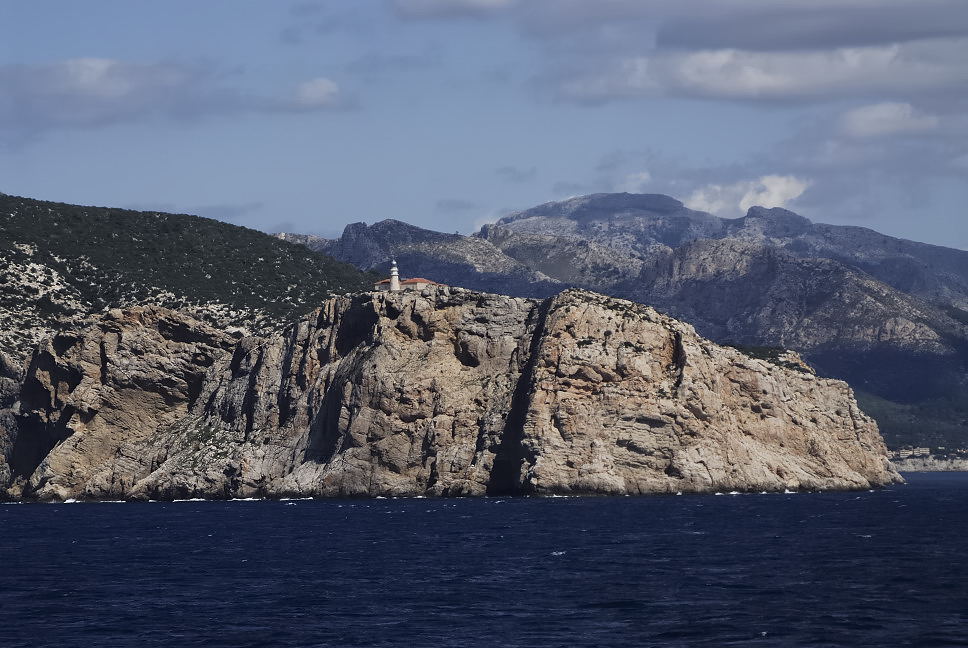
{"x":306,"y":116}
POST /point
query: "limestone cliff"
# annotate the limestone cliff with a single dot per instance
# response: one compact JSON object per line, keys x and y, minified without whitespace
{"x":444,"y":392}
{"x":887,"y":315}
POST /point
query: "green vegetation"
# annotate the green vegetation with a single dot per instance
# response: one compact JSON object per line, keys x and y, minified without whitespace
{"x":935,"y":423}
{"x":115,"y":257}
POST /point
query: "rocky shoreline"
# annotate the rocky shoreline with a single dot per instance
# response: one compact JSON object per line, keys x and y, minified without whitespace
{"x":930,"y":464}
{"x":446,"y":392}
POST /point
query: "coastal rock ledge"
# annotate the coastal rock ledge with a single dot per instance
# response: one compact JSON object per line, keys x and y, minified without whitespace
{"x":442,"y":392}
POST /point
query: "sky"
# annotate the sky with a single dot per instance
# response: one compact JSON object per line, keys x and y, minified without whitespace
{"x":306,"y":116}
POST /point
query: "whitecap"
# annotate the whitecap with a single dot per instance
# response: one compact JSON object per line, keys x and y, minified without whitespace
{"x":193,"y":499}
{"x":558,"y":553}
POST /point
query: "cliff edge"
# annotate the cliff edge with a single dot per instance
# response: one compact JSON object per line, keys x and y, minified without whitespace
{"x":440,"y":392}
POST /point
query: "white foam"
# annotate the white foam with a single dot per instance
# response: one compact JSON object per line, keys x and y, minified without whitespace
{"x":558,"y":553}
{"x":193,"y":499}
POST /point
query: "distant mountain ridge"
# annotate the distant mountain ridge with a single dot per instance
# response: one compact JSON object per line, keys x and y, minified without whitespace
{"x":886,"y":314}
{"x":461,"y":260}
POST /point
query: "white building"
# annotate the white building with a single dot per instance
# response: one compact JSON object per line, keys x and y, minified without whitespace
{"x":395,"y":284}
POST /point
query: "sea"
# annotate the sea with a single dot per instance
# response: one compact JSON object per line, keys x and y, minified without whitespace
{"x":872,"y":568}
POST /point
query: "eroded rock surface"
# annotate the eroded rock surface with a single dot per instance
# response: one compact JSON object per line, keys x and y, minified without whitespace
{"x":887,"y":315}
{"x":10,"y":378}
{"x":443,"y":392}
{"x":89,"y":398}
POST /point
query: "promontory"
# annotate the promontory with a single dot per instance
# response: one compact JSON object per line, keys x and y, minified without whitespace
{"x":439,"y":392}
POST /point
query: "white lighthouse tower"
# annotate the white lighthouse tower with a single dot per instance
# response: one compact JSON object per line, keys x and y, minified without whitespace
{"x":395,"y":284}
{"x":394,"y":277}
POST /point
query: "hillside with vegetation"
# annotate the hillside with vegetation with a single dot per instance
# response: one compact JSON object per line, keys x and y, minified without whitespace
{"x":60,"y":264}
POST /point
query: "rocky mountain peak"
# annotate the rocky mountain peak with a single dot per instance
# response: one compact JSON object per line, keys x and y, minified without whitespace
{"x":597,"y":206}
{"x":776,"y":222}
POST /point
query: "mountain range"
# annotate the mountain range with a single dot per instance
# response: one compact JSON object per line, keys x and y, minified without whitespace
{"x":888,"y":315}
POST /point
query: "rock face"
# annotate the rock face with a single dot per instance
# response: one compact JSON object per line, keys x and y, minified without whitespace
{"x":443,"y":392}
{"x":88,"y":398}
{"x":10,"y":378}
{"x":931,"y":464}
{"x":885,"y":314}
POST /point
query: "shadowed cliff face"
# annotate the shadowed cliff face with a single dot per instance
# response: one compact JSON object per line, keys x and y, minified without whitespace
{"x":443,"y":392}
{"x":10,"y":378}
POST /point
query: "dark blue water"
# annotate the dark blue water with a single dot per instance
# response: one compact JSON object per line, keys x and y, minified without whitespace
{"x":887,"y":568}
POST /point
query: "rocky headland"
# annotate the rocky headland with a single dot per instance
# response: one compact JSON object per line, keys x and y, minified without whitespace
{"x":885,"y":314}
{"x":444,"y":392}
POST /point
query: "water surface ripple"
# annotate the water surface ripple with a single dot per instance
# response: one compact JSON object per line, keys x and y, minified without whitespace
{"x":884,"y":568}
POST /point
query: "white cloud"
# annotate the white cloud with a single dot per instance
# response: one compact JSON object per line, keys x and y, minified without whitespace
{"x":773,"y":191}
{"x":317,"y":93}
{"x":911,"y":67}
{"x":96,"y":92}
{"x":736,"y":198}
{"x":886,"y":118}
{"x":636,"y":182}
{"x":714,"y":198}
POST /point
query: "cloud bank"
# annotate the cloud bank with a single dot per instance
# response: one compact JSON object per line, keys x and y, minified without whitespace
{"x":84,"y":93}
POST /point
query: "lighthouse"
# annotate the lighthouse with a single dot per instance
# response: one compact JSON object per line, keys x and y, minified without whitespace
{"x":395,"y":284}
{"x":394,"y":277}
